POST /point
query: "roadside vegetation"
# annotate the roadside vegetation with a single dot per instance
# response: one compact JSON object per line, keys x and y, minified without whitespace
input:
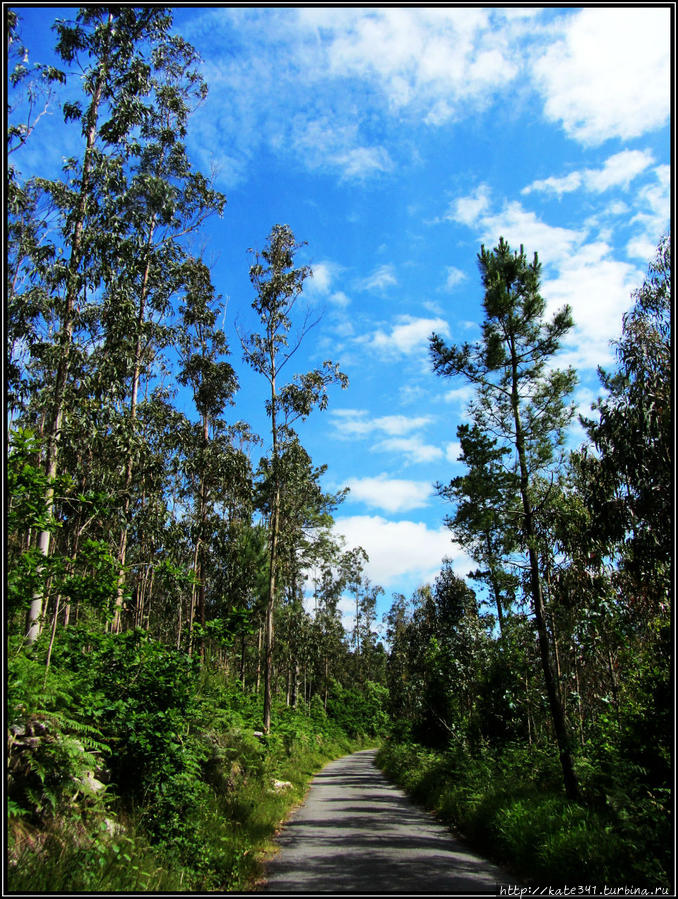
{"x":536,"y":717}
{"x":177,"y":665}
{"x":132,"y":767}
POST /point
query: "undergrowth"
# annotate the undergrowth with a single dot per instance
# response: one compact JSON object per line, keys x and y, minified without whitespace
{"x":508,"y":804}
{"x":132,"y":768}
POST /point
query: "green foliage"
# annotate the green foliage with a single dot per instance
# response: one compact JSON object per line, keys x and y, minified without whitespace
{"x":628,"y":481}
{"x":194,"y":787}
{"x":359,"y":711}
{"x":505,"y":802}
{"x":53,"y":756}
{"x":134,"y":766}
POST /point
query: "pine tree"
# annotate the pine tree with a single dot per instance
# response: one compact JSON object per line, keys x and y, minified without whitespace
{"x":522,"y":401}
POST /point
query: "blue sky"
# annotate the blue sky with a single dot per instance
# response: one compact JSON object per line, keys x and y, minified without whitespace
{"x":395,"y":141}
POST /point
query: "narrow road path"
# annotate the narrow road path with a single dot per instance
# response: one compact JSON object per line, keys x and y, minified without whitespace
{"x":356,"y":832}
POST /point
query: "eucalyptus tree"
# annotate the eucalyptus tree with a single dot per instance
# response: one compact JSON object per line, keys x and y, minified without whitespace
{"x":29,"y":96}
{"x":128,"y":62}
{"x":626,"y":483}
{"x":398,"y":621}
{"x":278,"y":286}
{"x":161,"y":201}
{"x":213,"y":383}
{"x":352,"y":565}
{"x":629,"y":477}
{"x":522,"y":401}
{"x":305,"y":521}
{"x":455,"y":656}
{"x":330,"y":634}
{"x":369,"y":655}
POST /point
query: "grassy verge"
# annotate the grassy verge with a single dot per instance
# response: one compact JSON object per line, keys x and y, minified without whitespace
{"x":511,"y":809}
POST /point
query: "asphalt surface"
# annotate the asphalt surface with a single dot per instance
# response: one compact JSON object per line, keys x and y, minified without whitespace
{"x":357,"y":833}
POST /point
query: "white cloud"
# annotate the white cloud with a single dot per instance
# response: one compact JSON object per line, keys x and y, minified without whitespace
{"x":403,"y":554}
{"x":412,"y":393}
{"x":584,"y":399}
{"x":454,"y":277}
{"x":559,"y":186}
{"x":413,"y":448}
{"x":609,"y":74}
{"x":516,"y":225}
{"x":598,"y":288}
{"x":324,"y":143}
{"x":408,"y":336}
{"x":390,"y":494}
{"x":324,"y":274}
{"x":381,"y":277}
{"x":653,"y":217}
{"x":339,"y":298}
{"x":453,"y":451}
{"x":358,"y":423}
{"x":311,"y":83}
{"x":468,"y":210}
{"x":436,"y":62}
{"x":618,"y":171}
{"x":321,"y":279}
{"x":394,"y":434}
{"x":584,"y":275}
{"x":327,"y":89}
{"x":361,"y":162}
{"x":519,"y":226}
{"x":461,"y":396}
{"x":641,"y":248}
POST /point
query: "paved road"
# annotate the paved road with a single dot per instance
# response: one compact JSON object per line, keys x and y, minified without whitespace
{"x":357,"y":833}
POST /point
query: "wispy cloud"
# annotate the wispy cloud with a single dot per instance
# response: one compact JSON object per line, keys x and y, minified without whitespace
{"x":579,"y":269}
{"x":618,"y":171}
{"x":358,"y":423}
{"x":327,"y":88}
{"x":381,"y":278}
{"x":598,"y":288}
{"x":390,"y":434}
{"x":653,"y":204}
{"x":321,"y":284}
{"x":515,"y":224}
{"x":453,"y":277}
{"x":413,"y":450}
{"x":453,"y":451}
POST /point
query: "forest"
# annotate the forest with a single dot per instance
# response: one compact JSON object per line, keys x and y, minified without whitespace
{"x":174,"y":677}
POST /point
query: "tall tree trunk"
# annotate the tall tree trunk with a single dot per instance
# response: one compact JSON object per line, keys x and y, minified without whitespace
{"x":191,"y":614}
{"x":260,"y":634}
{"x":494,"y":583}
{"x":327,"y":680}
{"x":129,"y":471}
{"x":273,"y":561}
{"x":557,"y":715}
{"x":34,"y":619}
{"x":268,"y":628}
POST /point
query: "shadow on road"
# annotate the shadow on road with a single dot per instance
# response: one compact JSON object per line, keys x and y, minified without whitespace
{"x":356,"y":832}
